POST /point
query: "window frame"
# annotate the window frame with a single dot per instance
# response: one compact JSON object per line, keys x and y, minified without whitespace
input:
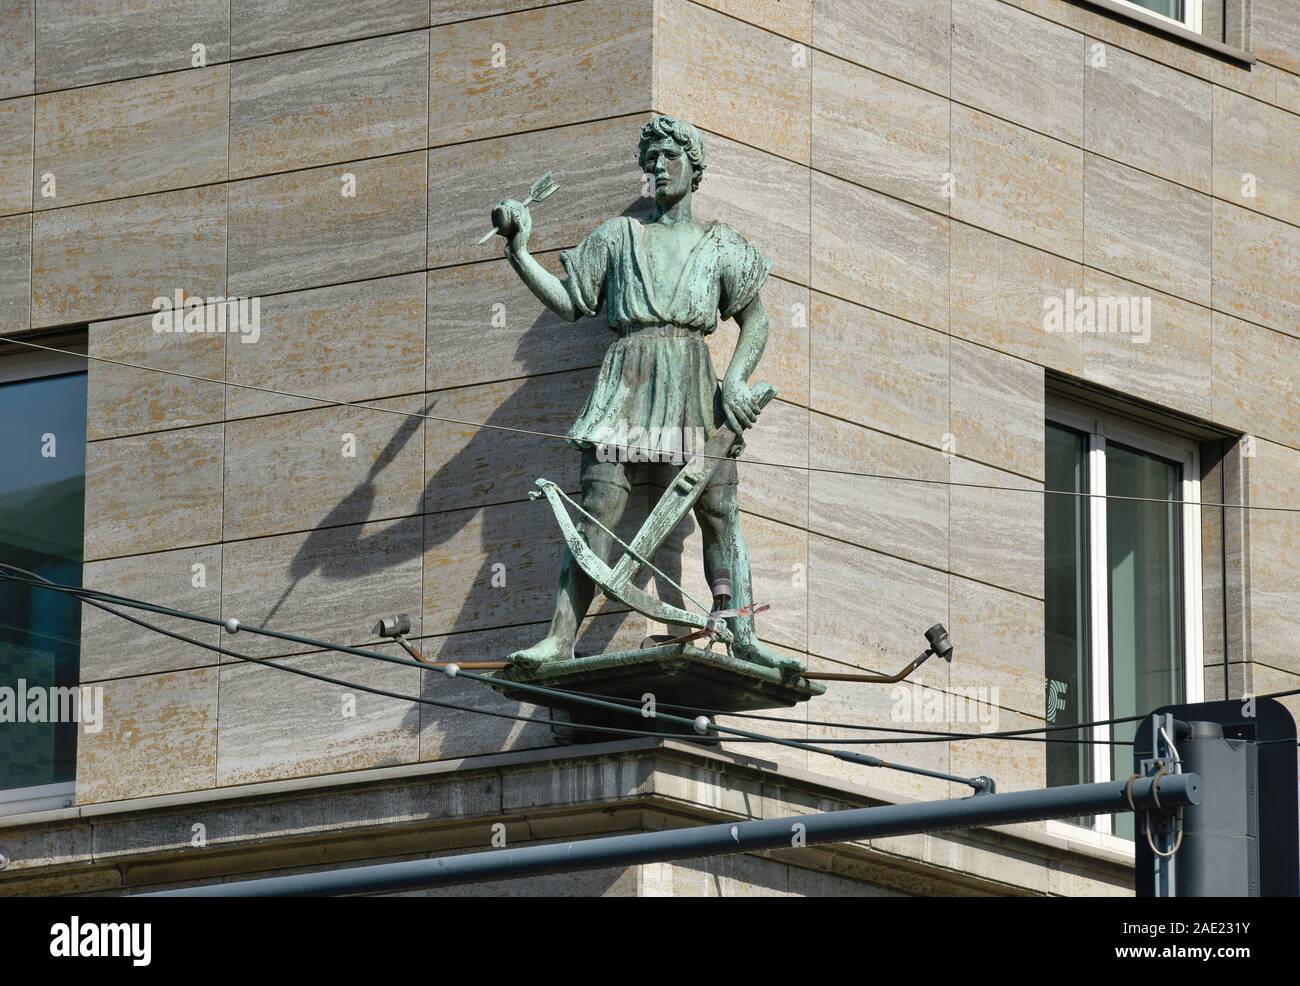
{"x":1191,"y":14}
{"x":1098,"y":426}
{"x":18,"y":365}
{"x":42,"y":797}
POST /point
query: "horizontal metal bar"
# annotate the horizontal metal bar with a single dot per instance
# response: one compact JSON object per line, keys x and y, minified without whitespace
{"x":1175,"y":790}
{"x":425,"y":665}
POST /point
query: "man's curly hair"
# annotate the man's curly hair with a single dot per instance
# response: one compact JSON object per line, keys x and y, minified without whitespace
{"x":686,"y":137}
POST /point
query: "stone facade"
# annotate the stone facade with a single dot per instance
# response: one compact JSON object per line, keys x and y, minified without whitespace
{"x":922,"y":172}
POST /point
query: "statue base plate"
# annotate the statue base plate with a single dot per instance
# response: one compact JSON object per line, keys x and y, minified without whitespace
{"x":675,"y":674}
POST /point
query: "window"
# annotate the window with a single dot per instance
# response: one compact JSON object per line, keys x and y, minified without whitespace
{"x":1122,"y":588}
{"x":1184,"y":13}
{"x":42,"y":494}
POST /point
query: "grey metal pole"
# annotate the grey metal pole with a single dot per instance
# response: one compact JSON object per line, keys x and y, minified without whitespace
{"x":712,"y":840}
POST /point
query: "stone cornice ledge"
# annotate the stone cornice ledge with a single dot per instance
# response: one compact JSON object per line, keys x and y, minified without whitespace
{"x":556,"y":792}
{"x":1135,"y":15}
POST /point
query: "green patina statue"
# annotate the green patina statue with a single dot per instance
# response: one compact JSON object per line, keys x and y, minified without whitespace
{"x":656,"y":400}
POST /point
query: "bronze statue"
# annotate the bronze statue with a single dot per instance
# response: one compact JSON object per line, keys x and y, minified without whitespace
{"x":663,"y":283}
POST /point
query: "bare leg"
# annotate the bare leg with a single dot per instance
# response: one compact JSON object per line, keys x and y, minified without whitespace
{"x":718,"y":514}
{"x":605,"y":501}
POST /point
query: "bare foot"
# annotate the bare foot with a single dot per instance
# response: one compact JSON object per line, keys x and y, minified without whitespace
{"x":543,"y":652}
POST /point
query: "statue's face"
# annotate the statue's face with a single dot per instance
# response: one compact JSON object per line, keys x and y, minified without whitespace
{"x":671,"y":169}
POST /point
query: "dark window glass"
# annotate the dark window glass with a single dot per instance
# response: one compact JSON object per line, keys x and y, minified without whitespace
{"x":1069,"y":672}
{"x":42,"y":494}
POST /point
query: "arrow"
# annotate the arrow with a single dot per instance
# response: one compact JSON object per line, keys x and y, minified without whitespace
{"x":543,"y":188}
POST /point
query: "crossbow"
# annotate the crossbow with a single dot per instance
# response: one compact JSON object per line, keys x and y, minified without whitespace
{"x":618,"y":581}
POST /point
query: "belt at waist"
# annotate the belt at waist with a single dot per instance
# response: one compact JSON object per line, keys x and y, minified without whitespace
{"x":661,"y":330}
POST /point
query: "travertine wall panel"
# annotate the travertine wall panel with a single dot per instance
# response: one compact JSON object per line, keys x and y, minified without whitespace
{"x":1001,"y":292}
{"x":775,"y":492}
{"x":892,"y":603}
{"x":1015,"y":766}
{"x":322,"y":468}
{"x":538,"y":69}
{"x":1149,"y":117}
{"x":15,"y":273}
{"x":347,"y":342}
{"x":883,"y":705}
{"x":188,"y":579}
{"x":1255,"y":374}
{"x":87,"y":41}
{"x":879,"y":252}
{"x":1166,"y":362}
{"x":18,"y":49}
{"x":300,"y":229}
{"x":114,"y":258}
{"x":153,"y":492}
{"x":1275,"y":33}
{"x":880,"y":371}
{"x":332,"y":583}
{"x":879,"y":132}
{"x":997,"y":409}
{"x":1146,"y":229}
{"x":341,"y":103}
{"x":907,"y":520}
{"x":1255,"y":155}
{"x":790,"y":18}
{"x":1273,"y":475}
{"x":906,"y":39}
{"x":259,"y":27}
{"x":16,"y":130}
{"x":1255,"y":260}
{"x":599,"y":178}
{"x":159,"y":737}
{"x":123,"y":400}
{"x":1018,"y":67}
{"x":996,"y":534}
{"x":276,"y":725}
{"x":481,"y":465}
{"x":133,"y":137}
{"x":732,"y":78}
{"x":1017,"y":183}
{"x":483,"y":324}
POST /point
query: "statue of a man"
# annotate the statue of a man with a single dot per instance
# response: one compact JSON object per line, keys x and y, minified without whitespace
{"x":663,"y":283}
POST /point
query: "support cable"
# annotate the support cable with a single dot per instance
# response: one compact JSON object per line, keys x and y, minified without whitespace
{"x":618,"y":703}
{"x":701,"y":725}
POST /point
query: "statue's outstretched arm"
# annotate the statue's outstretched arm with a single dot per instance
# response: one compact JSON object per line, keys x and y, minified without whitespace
{"x":515,"y":223}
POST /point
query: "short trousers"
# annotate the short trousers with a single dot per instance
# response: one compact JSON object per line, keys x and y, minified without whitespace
{"x":622,"y":474}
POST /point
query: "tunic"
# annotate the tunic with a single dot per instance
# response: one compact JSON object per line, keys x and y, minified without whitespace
{"x":657,"y":383}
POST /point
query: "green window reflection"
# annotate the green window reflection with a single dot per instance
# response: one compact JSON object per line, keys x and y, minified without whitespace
{"x":1173,"y":9}
{"x":1144,"y":564}
{"x":42,"y":494}
{"x":1068,"y":668}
